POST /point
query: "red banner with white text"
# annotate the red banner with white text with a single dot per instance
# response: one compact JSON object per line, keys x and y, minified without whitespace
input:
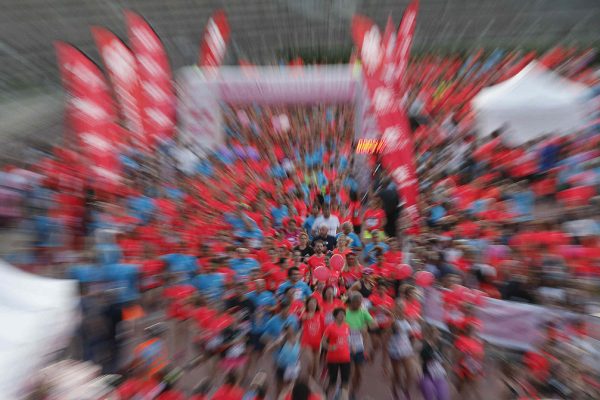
{"x":404,"y":40}
{"x":121,"y":67}
{"x":380,"y":66}
{"x":214,"y":41}
{"x":157,"y":98}
{"x":90,"y":113}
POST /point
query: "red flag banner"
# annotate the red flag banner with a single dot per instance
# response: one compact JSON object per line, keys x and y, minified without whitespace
{"x":384,"y":66}
{"x":157,"y":99}
{"x":90,"y":113}
{"x":214,"y":41}
{"x":121,"y":67}
{"x":404,"y":40}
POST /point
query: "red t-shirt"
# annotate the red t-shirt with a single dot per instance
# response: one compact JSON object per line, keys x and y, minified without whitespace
{"x":353,"y":275}
{"x":327,"y":309}
{"x":227,"y":392}
{"x":314,"y":261}
{"x":312,"y":330}
{"x":275,"y":277}
{"x":374,"y":218}
{"x":354,"y":210}
{"x":337,"y":336}
{"x":386,"y":302}
{"x":393,"y":256}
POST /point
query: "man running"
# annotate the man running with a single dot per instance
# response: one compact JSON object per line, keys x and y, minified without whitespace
{"x":359,"y":320}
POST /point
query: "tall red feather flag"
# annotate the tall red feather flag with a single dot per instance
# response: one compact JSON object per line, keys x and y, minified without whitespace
{"x":157,"y":98}
{"x":90,"y":113}
{"x":214,"y":41}
{"x":379,"y":68}
{"x":121,"y":67}
{"x":389,"y":41}
{"x":404,"y":41}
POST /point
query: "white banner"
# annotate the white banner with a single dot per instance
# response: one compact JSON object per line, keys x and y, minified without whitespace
{"x":200,"y":116}
{"x":507,"y":324}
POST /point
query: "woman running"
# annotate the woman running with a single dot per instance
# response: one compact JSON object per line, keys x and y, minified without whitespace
{"x":434,"y":384}
{"x":382,"y":306}
{"x":469,"y":360}
{"x":400,"y":352}
{"x":342,"y":245}
{"x":313,"y":326}
{"x":329,"y":304}
{"x":359,"y":320}
{"x":336,"y":342}
{"x":287,"y":357}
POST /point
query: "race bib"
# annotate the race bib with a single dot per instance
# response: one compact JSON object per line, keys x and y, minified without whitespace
{"x":381,"y":319}
{"x":356,"y":341}
{"x":313,"y":328}
{"x":328,"y":318}
{"x":297,"y":294}
{"x":214,"y":343}
{"x":236,"y":350}
{"x":416,"y":327}
{"x":435,"y":369}
{"x":472,"y":365}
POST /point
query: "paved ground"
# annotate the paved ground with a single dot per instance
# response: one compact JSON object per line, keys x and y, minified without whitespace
{"x":376,"y":385}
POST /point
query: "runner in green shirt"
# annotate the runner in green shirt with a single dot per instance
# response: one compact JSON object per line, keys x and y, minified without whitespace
{"x":359,"y":320}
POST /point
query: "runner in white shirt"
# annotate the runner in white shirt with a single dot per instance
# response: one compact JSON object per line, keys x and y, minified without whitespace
{"x":331,"y":221}
{"x":400,"y":352}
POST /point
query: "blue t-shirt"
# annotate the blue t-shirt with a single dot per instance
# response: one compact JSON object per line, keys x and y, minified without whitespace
{"x":308,"y":223}
{"x":437,"y":213}
{"x":279,"y":214}
{"x":124,"y":279}
{"x":548,"y":157}
{"x":259,"y":322}
{"x":523,"y":203}
{"x":210,"y":285}
{"x":143,"y":207}
{"x":354,"y":239}
{"x":263,"y":299}
{"x":240,"y":229}
{"x":302,"y":286}
{"x":288,"y":355}
{"x":205,"y":167}
{"x":275,"y":324}
{"x":243,"y":267}
{"x":370,"y":251}
{"x":277,"y":171}
{"x":321,"y":179}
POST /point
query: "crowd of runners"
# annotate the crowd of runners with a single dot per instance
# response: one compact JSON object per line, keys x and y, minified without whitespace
{"x":286,"y":278}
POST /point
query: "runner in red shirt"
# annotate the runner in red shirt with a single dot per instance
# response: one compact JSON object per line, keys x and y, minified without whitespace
{"x":382,"y":305}
{"x":313,"y":326}
{"x":318,"y":258}
{"x":355,"y":212}
{"x":329,"y":304}
{"x":374,"y":217}
{"x":352,"y":271}
{"x":336,"y":342}
{"x":469,"y":361}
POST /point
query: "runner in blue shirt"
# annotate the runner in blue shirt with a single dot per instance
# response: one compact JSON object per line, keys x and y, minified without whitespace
{"x":294,"y":281}
{"x":243,"y":265}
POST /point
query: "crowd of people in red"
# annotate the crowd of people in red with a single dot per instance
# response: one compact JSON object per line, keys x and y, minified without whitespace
{"x":270,"y":252}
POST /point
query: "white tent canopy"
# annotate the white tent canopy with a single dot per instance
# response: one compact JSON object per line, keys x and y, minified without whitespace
{"x":533,"y":103}
{"x":37,"y":317}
